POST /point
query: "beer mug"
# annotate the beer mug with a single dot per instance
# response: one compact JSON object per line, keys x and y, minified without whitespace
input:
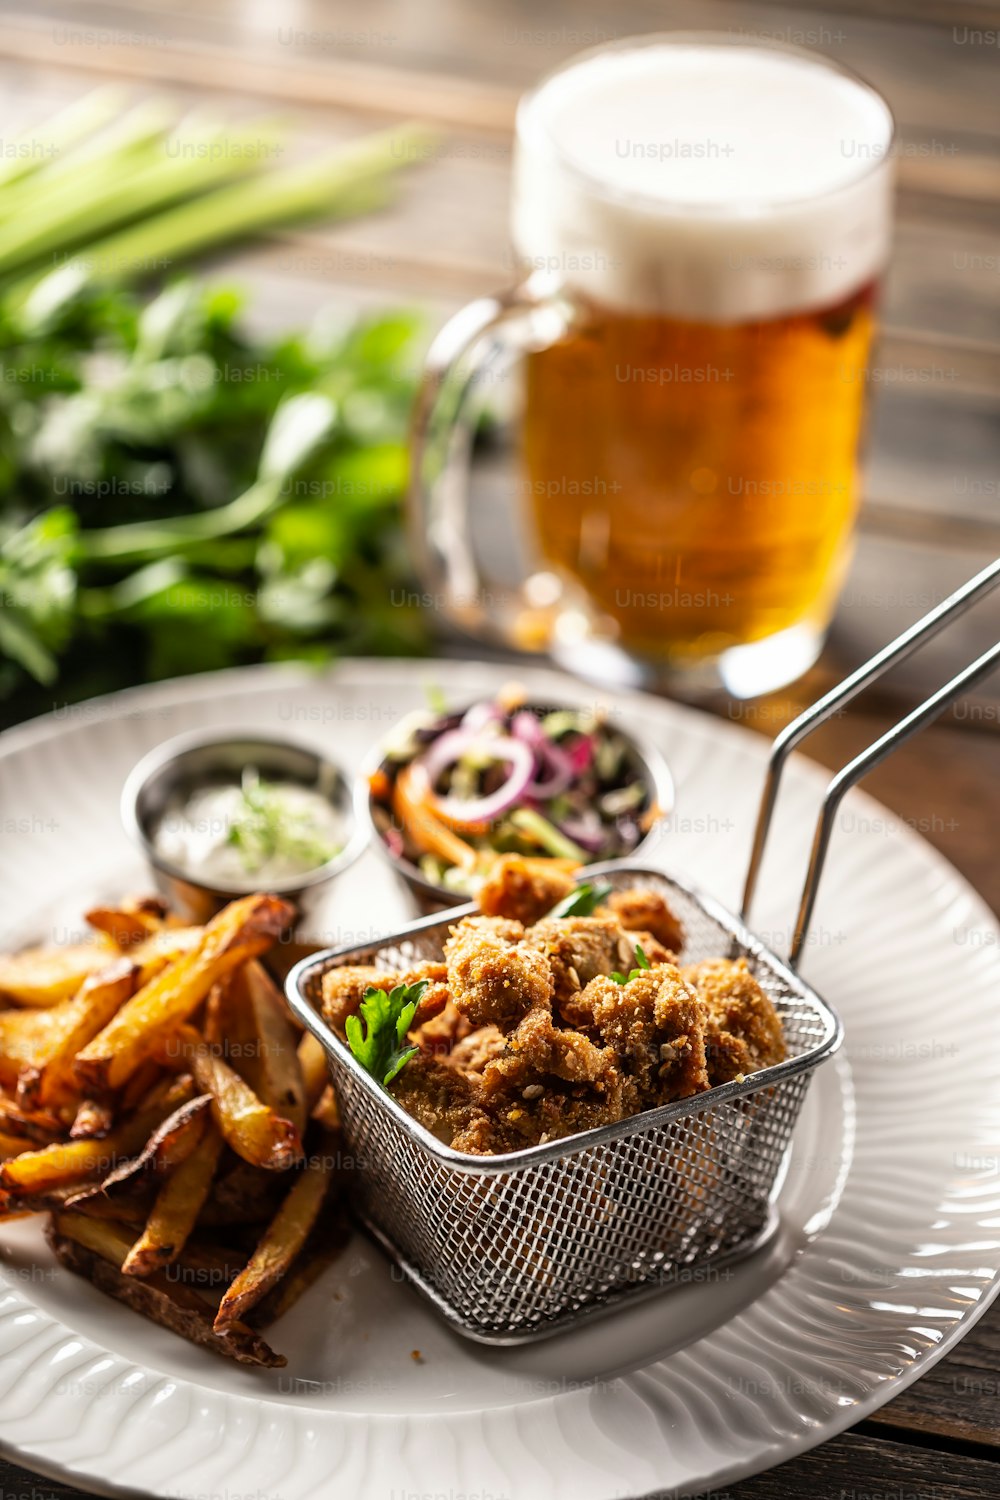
{"x":702,"y":222}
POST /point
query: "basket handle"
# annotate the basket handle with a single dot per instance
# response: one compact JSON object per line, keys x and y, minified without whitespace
{"x":793,"y":734}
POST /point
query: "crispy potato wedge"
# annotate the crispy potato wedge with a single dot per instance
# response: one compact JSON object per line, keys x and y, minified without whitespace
{"x":282,"y":1241}
{"x":130,"y":923}
{"x":42,"y":1039}
{"x":45,"y":976}
{"x":100,"y":997}
{"x":171,"y":1143}
{"x":11,"y":1145}
{"x":164,"y":948}
{"x":94,"y":1117}
{"x":175,"y":1212}
{"x":315,"y":1069}
{"x":96,"y":1248}
{"x":248,"y":1125}
{"x":277,"y":1075}
{"x":35,"y":1125}
{"x":74,"y":1161}
{"x":328,"y":1239}
{"x":242,"y":930}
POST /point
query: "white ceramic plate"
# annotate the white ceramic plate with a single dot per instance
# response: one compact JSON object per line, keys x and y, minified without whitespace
{"x":889,"y":1245}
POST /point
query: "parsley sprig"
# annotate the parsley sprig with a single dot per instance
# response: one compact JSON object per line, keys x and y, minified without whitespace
{"x":581,"y":902}
{"x":641,"y":963}
{"x":380,"y":1046}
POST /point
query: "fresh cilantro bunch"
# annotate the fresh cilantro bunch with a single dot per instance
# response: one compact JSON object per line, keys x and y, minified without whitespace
{"x":380,"y":1045}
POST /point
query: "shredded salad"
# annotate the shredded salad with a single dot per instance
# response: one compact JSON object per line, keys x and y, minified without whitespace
{"x":456,"y":790}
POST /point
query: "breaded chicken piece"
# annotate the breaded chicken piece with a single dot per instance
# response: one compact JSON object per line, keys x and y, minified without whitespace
{"x":525,"y":889}
{"x":646,"y":912}
{"x":476,"y":1049}
{"x":442,"y":1032}
{"x":743,"y":1030}
{"x":514,"y":1123}
{"x":579,"y":949}
{"x":655,"y":1024}
{"x":441,"y":1098}
{"x":494,"y":977}
{"x":537,"y":1049}
{"x":344,"y":989}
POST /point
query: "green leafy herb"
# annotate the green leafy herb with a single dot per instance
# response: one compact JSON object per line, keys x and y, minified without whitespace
{"x":264,"y":826}
{"x":641,"y":963}
{"x":583,"y":901}
{"x":175,"y":494}
{"x":380,"y":1046}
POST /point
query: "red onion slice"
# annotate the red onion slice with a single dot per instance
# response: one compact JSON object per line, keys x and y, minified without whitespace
{"x":450,"y":747}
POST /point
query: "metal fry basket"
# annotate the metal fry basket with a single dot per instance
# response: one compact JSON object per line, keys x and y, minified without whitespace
{"x":519,"y":1246}
{"x":522,"y":1245}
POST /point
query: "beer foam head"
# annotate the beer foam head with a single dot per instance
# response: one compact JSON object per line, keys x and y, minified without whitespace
{"x":711,"y":180}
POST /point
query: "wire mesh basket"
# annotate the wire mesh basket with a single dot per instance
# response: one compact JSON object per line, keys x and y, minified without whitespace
{"x":518,"y":1246}
{"x":525,"y":1244}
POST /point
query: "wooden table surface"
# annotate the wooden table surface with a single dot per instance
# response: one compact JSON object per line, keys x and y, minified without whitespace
{"x":931,"y":514}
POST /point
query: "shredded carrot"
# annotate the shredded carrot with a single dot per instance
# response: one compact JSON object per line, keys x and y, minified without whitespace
{"x":411,"y":804}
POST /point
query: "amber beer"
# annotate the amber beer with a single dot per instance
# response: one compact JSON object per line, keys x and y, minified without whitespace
{"x":718,"y":215}
{"x":700,"y":482}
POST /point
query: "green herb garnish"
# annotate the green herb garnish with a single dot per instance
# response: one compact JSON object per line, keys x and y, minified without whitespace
{"x":641,"y":963}
{"x":380,"y":1046}
{"x":263,"y":826}
{"x":581,"y":902}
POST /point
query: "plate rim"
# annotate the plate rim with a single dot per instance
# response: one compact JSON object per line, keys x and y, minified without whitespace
{"x":176,"y":692}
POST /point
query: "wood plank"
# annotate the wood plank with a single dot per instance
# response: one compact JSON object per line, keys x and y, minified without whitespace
{"x":959,"y":1399}
{"x":933,"y":82}
{"x":861,"y":1467}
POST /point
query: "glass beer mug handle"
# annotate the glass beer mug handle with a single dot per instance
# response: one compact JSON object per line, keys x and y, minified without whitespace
{"x":524,"y":320}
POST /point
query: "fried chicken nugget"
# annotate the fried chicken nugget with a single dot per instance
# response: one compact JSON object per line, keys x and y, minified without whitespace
{"x":646,"y":913}
{"x":743,"y":1030}
{"x":656,"y":1025}
{"x":525,"y":889}
{"x":495,"y":977}
{"x":441,"y":1098}
{"x":344,"y":989}
{"x":579,"y":949}
{"x":474,"y":1050}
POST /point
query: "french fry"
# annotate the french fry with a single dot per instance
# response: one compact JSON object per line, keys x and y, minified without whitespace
{"x":131,"y":922}
{"x":281,"y":1243}
{"x":175,"y":1212}
{"x":327,"y":1241}
{"x":31,"y":1125}
{"x":44,"y":976}
{"x":39,"y":1039}
{"x":315,"y":1069}
{"x":28,"y":1036}
{"x":100,"y":997}
{"x":242,"y":930}
{"x":96,"y":1249}
{"x":278,"y":1073}
{"x":253,"y":1130}
{"x":171,"y":1143}
{"x":163,"y":948}
{"x":10,"y":1145}
{"x":142,"y":1082}
{"x":94,"y":1118}
{"x":74,"y":1161}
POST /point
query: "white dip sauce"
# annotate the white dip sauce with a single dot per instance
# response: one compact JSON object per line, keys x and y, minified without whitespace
{"x":253,"y":833}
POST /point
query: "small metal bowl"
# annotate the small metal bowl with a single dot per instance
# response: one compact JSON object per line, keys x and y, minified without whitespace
{"x":427,"y":897}
{"x":192,"y":760}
